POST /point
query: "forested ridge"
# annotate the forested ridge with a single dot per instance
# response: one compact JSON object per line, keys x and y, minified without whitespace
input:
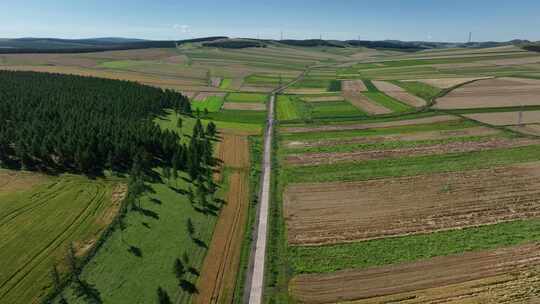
{"x":85,"y":124}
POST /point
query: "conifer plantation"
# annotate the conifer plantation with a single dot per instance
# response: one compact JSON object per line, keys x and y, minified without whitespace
{"x":59,"y":123}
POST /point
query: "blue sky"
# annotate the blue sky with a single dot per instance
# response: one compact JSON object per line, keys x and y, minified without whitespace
{"x":436,"y":20}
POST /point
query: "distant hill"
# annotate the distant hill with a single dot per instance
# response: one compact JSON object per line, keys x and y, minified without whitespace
{"x":55,"y":45}
{"x":397,"y":45}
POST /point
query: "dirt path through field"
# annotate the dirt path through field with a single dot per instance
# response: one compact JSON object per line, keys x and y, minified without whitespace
{"x":342,"y":212}
{"x":365,"y":126}
{"x":489,"y":143}
{"x":415,"y":277}
{"x":219,"y":272}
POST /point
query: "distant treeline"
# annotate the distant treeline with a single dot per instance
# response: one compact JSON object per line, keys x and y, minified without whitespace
{"x":63,"y":46}
{"x":59,"y":123}
{"x":311,"y":43}
{"x":235,"y":44}
{"x":532,"y":47}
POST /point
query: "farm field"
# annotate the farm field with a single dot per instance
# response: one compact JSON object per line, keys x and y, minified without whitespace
{"x":413,"y":204}
{"x":498,"y":92}
{"x":409,"y":205}
{"x":71,"y":211}
{"x":217,"y":283}
{"x":398,"y":177}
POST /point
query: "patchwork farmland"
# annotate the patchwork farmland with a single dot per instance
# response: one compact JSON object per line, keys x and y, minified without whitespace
{"x":429,"y":196}
{"x":397,"y":177}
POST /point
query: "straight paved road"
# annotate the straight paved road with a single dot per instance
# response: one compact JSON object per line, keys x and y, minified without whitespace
{"x":257,"y":277}
{"x":255,"y":280}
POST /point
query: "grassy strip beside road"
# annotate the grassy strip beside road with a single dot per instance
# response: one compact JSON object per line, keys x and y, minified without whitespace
{"x":256,"y":152}
{"x":387,"y":251}
{"x":410,"y":165}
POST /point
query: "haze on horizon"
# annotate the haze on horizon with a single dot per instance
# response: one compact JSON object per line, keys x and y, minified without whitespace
{"x":298,"y":19}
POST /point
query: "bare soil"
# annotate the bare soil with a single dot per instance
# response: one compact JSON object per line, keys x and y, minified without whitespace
{"x":506,"y":118}
{"x":342,"y":212}
{"x":473,"y":277}
{"x":218,"y":275}
{"x":363,"y":103}
{"x":429,"y":135}
{"x":353,"y":86}
{"x":399,"y":93}
{"x":499,"y":92}
{"x":13,"y":181}
{"x":346,"y":127}
{"x":311,"y":159}
{"x":528,"y":129}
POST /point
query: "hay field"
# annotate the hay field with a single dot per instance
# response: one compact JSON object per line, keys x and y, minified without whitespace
{"x":41,"y":216}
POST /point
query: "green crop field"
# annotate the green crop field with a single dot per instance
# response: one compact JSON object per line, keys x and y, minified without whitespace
{"x":246,"y":97}
{"x":410,"y":165}
{"x":333,"y":109}
{"x":225,"y":83}
{"x":211,"y":104}
{"x":419,"y":89}
{"x":411,"y":248}
{"x":40,"y":217}
{"x":387,"y":101}
{"x":289,"y":108}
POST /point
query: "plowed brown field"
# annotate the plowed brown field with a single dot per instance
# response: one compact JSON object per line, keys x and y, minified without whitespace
{"x":499,"y":92}
{"x":218,"y":276}
{"x":409,"y":122}
{"x":399,"y":93}
{"x":354,"y":86}
{"x":311,"y":159}
{"x":476,"y":277}
{"x":528,"y":129}
{"x":429,"y":135}
{"x":350,"y":211}
{"x":507,"y":118}
{"x":234,"y":151}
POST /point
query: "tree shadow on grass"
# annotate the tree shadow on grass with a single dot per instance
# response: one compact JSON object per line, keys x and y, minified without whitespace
{"x":136,"y":251}
{"x":146,"y":212}
{"x":87,"y":291}
{"x":188,"y":287}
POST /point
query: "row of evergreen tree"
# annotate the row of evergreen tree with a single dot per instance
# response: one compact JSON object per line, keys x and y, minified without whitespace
{"x":85,"y":124}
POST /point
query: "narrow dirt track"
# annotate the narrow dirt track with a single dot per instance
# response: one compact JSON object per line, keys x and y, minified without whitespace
{"x":353,"y":285}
